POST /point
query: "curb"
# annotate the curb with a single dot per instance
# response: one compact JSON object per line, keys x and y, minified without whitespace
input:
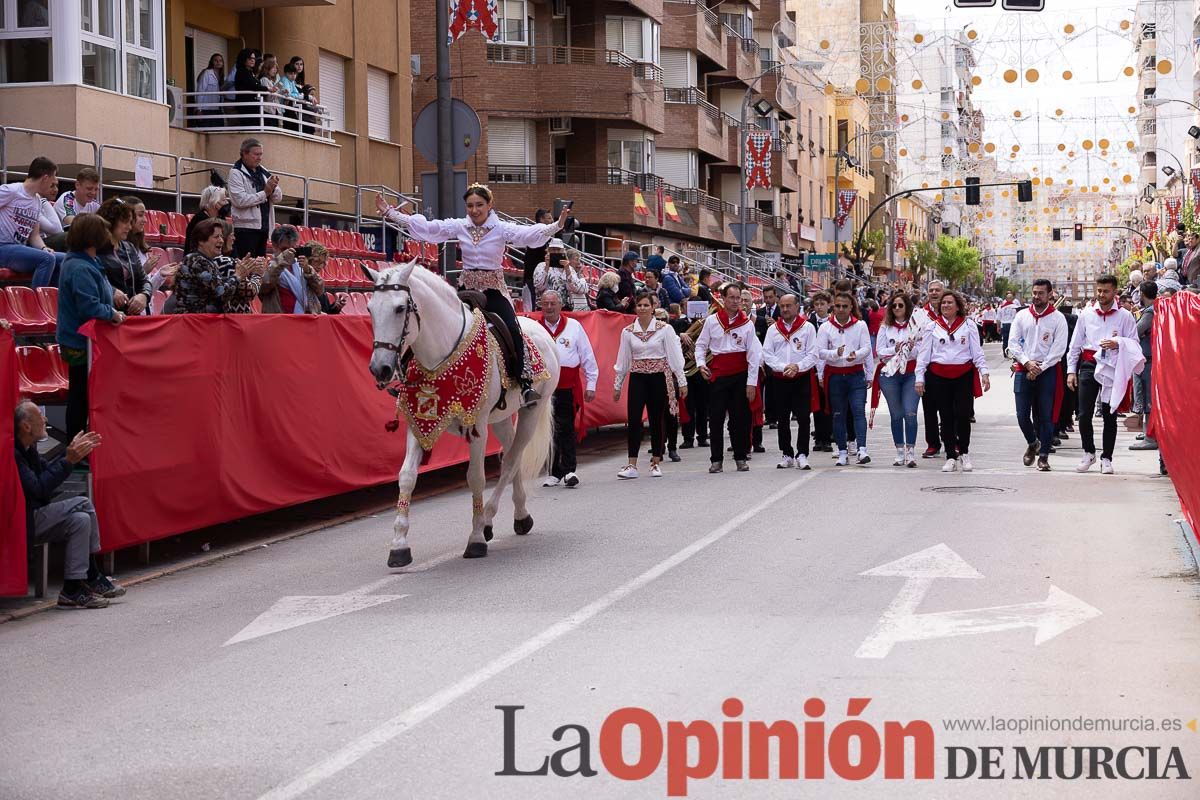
{"x":1191,"y":545}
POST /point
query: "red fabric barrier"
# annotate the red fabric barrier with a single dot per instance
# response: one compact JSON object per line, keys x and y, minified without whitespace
{"x":14,"y":575}
{"x":1175,"y":377}
{"x":207,"y":419}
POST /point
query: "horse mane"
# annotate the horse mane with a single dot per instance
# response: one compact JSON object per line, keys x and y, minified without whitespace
{"x":437,"y":285}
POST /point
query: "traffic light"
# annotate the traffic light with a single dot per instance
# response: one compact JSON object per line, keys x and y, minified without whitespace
{"x":1079,"y":231}
{"x":1020,"y":256}
{"x":1058,"y":234}
{"x":1025,"y":191}
{"x":972,"y":191}
{"x":1022,"y":5}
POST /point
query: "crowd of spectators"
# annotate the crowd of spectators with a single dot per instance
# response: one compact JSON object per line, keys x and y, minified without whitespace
{"x":257,"y":91}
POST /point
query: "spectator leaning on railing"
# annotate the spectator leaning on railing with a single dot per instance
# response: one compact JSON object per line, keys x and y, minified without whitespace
{"x":21,"y":245}
{"x":578,"y":293}
{"x":121,"y":260}
{"x":291,"y":285}
{"x":253,"y":192}
{"x":84,"y":294}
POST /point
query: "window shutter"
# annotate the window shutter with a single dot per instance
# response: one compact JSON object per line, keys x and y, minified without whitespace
{"x":510,"y":142}
{"x":379,"y":104}
{"x":679,"y":68}
{"x":633,"y":40}
{"x":612,"y":33}
{"x":204,"y":45}
{"x":676,"y":167}
{"x":331,"y":88}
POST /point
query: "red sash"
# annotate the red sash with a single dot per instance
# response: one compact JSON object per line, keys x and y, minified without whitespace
{"x":1089,"y":356}
{"x":876,"y":389}
{"x":757,"y":417}
{"x":722,"y":365}
{"x":572,"y":378}
{"x":952,"y":371}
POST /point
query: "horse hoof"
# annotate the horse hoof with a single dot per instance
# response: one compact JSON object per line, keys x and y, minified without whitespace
{"x":475,"y":550}
{"x":401,"y":557}
{"x":487,"y":533}
{"x":523,"y":526}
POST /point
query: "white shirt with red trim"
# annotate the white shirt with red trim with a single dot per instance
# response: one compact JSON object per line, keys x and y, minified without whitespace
{"x":783,"y":346}
{"x":575,"y":349}
{"x":714,"y":340}
{"x":854,"y":337}
{"x":1008,"y":312}
{"x":955,"y":344}
{"x":892,"y":338}
{"x":659,"y":341}
{"x":1041,"y":338}
{"x":1095,"y":325}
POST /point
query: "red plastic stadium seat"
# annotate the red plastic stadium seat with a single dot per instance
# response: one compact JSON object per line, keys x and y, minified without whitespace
{"x":178,"y":226}
{"x":56,"y":361}
{"x":162,"y":255}
{"x":158,"y":302}
{"x":174,"y":255}
{"x":346,"y":240}
{"x":345,"y":298}
{"x":48,"y":299}
{"x":25,"y":312}
{"x":431,"y":252}
{"x":37,"y":379}
{"x":154,"y":221}
{"x":9,"y":276}
{"x":360,"y":245}
{"x":256,"y":305}
{"x":360,"y":301}
{"x":337,"y":273}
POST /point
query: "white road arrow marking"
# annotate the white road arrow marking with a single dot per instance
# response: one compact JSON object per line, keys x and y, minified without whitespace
{"x":1058,"y":613}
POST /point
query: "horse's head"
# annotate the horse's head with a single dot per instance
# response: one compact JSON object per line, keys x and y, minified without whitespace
{"x":394,"y":320}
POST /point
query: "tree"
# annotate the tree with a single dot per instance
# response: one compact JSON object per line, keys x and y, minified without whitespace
{"x":957,"y":261}
{"x":1002,"y":286}
{"x":921,"y":256}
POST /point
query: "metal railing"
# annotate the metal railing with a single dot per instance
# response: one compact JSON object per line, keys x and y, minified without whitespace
{"x":691,"y":95}
{"x":253,"y":111}
{"x":555,"y":54}
{"x":7,"y":130}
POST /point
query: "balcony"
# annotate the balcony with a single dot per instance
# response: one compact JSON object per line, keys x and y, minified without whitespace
{"x":741,"y":57}
{"x":255,"y":5}
{"x":695,"y":27}
{"x":561,"y":82}
{"x":651,"y":8}
{"x":696,"y":124}
{"x":783,"y":170}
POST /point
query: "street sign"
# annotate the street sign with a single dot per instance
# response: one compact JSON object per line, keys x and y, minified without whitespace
{"x":751,"y":228}
{"x":1022,"y":5}
{"x":820,"y":261}
{"x":465,"y":132}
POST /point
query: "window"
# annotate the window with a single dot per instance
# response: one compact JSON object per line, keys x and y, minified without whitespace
{"x":843,"y":134}
{"x":678,"y":167}
{"x":97,"y":17}
{"x":511,"y":17}
{"x":125,"y":60}
{"x":25,"y":55}
{"x":379,"y":104}
{"x":331,"y":88}
{"x":634,"y":37}
{"x":630,"y":150}
{"x":512,"y":150}
{"x":99,"y":66}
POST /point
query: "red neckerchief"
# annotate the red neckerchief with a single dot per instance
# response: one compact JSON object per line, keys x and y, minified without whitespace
{"x":727,"y":324}
{"x":1105,"y":314}
{"x":1050,"y":309}
{"x":557,"y":330}
{"x":785,"y":330}
{"x":929,"y":310}
{"x":950,"y":329}
{"x":843,"y":328}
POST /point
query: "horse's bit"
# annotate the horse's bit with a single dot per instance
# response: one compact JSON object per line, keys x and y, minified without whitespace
{"x":410,"y":311}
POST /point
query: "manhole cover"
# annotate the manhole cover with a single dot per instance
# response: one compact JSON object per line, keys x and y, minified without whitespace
{"x":966,"y":489}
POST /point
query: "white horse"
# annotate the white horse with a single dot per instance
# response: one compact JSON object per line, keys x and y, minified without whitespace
{"x":412,"y":309}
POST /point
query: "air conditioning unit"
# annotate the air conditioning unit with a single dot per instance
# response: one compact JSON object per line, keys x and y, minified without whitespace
{"x":175,"y":113}
{"x":560,"y":8}
{"x":560,"y":126}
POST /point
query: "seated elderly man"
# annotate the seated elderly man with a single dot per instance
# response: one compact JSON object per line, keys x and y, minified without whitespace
{"x":72,"y":521}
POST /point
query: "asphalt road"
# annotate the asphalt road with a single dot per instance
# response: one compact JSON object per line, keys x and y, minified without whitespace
{"x":670,"y":595}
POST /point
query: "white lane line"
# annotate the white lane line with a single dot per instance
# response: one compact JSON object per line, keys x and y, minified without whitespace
{"x":415,"y":715}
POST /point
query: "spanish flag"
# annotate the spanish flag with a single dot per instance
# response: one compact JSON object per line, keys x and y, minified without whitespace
{"x":669,"y":205}
{"x":639,"y":203}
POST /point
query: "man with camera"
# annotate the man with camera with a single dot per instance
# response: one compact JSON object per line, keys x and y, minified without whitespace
{"x":291,"y":285}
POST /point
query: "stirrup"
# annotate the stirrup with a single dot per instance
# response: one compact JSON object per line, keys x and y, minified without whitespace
{"x":528,"y":395}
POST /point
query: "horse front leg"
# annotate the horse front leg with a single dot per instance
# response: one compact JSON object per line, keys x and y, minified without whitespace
{"x":400,"y":554}
{"x":476,"y":480}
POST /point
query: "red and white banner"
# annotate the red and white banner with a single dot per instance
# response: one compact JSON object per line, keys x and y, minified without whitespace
{"x":901,"y":240}
{"x":758,"y":160}
{"x":1173,"y":205}
{"x":1153,"y":223}
{"x":477,"y":15}
{"x":846,"y":198}
{"x":1195,"y":181}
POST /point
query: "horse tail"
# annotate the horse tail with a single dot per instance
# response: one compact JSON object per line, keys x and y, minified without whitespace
{"x":540,"y":449}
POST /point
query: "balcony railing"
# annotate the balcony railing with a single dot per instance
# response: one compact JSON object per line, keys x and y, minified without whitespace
{"x":690,"y":95}
{"x":251,"y":111}
{"x":553,"y":54}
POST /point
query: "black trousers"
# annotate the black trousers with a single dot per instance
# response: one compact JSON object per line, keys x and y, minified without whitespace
{"x":697,"y":406}
{"x":250,"y":242}
{"x":930,"y":411}
{"x":766,"y":385}
{"x":647,"y":392}
{"x":564,"y":433}
{"x":77,"y":399}
{"x":822,"y":428}
{"x":1066,"y":414}
{"x":499,"y":304}
{"x":727,"y":396}
{"x":953,"y":399}
{"x":1089,"y":392}
{"x":792,"y":400}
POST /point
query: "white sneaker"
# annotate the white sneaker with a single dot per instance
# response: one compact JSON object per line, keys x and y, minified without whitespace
{"x":802,"y":462}
{"x":787,"y":462}
{"x":863,"y":457}
{"x":551,"y":481}
{"x":1086,"y":462}
{"x":628,"y":472}
{"x":1106,"y":466}
{"x":899,"y":462}
{"x":910,"y":457}
{"x":966,"y":464}
{"x":655,"y":471}
{"x":571,"y":480}
{"x":842,"y":459}
{"x":951,"y":465}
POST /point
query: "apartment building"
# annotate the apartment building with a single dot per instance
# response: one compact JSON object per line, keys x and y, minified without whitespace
{"x":1162,"y":32}
{"x":634,"y":110}
{"x":120,"y":75}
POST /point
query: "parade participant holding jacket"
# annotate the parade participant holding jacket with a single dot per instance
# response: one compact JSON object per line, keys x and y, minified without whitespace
{"x":481,"y":237}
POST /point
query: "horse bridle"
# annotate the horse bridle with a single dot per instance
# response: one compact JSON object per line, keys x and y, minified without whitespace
{"x":410,"y":311}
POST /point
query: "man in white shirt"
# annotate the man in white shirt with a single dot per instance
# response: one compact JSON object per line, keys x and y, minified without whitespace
{"x":21,"y":245}
{"x":729,"y":354}
{"x":1096,"y":334}
{"x":1006,"y":314}
{"x":576,"y":384}
{"x":844,"y":346}
{"x":790,"y":353}
{"x":923,"y":315}
{"x":1037,"y":343}
{"x":83,"y":199}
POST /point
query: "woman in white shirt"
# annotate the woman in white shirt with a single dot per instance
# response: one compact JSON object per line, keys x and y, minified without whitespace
{"x":482,"y":238}
{"x":895,"y":375}
{"x":651,"y":357}
{"x":208,"y":85}
{"x":951,"y":373}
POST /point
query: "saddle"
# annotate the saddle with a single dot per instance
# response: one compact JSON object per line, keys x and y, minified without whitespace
{"x":477,"y":302}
